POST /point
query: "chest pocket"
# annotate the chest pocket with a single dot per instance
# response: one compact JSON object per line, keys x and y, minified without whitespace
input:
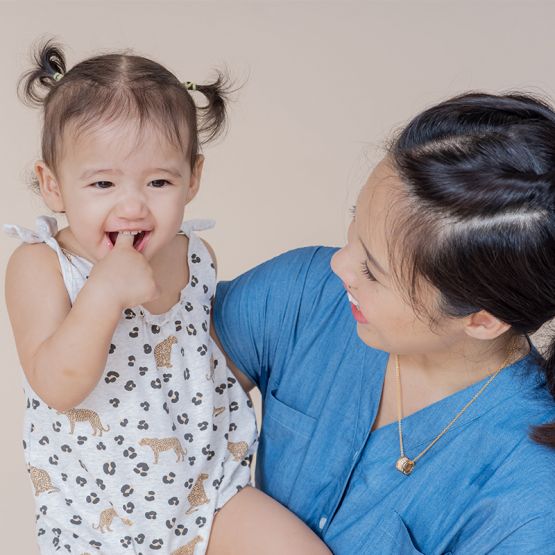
{"x":285,"y":436}
{"x":390,"y":537}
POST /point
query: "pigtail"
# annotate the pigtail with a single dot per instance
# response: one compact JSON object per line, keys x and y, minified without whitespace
{"x":212,"y":117}
{"x":49,"y":66}
{"x":545,"y":433}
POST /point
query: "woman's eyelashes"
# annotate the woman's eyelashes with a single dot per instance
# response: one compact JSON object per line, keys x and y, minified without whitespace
{"x":366,"y":271}
{"x":155,"y":183}
{"x":353,"y":210}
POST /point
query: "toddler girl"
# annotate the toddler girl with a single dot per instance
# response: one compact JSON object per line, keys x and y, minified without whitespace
{"x":136,"y":432}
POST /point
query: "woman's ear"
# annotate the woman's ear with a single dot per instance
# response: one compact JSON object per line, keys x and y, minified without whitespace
{"x":196,"y":174}
{"x":49,"y":187}
{"x":483,"y":325}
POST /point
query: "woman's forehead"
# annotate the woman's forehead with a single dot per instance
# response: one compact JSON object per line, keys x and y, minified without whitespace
{"x":376,"y":201}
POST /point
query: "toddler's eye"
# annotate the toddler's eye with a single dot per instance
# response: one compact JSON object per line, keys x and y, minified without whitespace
{"x":159,"y":183}
{"x":102,"y":184}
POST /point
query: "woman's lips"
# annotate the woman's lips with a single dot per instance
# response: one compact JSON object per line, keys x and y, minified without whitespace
{"x":359,"y":316}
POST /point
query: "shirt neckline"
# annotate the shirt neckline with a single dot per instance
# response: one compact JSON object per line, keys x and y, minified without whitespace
{"x":425,"y":424}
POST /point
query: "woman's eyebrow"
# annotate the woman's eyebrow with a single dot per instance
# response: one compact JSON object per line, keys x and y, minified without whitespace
{"x":371,"y":259}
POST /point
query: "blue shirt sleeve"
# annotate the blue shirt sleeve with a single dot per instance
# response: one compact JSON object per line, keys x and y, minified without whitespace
{"x":255,"y":314}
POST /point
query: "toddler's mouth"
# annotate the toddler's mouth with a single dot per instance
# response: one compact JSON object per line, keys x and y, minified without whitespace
{"x":138,"y":239}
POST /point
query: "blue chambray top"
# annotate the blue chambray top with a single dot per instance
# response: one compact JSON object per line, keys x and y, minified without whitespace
{"x":485,"y":487}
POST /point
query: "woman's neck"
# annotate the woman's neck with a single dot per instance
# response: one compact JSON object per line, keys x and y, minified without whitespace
{"x":464,"y":364}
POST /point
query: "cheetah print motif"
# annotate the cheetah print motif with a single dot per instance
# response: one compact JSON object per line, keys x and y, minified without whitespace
{"x":41,"y":480}
{"x":198,"y":497}
{"x":163,"y":352}
{"x":188,"y":549}
{"x":143,"y":464}
{"x":84,"y":415}
{"x":106,"y":518}
{"x":166,"y":444}
{"x":239,"y":450}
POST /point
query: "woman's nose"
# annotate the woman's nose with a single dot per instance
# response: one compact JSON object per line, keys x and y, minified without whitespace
{"x":342,"y":267}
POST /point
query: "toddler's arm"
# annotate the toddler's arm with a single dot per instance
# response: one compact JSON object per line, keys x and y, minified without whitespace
{"x":62,"y":348}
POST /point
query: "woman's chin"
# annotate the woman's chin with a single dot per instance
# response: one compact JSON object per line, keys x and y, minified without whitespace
{"x":367,"y":337}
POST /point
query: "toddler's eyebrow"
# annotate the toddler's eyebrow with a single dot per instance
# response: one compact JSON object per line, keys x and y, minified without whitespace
{"x":90,"y":172}
{"x":87,"y":174}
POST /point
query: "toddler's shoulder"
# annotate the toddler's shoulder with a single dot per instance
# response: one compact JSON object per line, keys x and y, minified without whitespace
{"x":34,"y":258}
{"x":32,"y":269}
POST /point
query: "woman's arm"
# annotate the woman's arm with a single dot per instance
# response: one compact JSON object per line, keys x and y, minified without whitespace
{"x":245,"y":382}
{"x":62,"y":348}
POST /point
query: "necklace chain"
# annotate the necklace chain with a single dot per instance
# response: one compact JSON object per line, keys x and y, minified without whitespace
{"x":406,"y":465}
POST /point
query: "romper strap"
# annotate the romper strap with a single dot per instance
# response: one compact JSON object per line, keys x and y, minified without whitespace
{"x":74,"y":272}
{"x":46,"y":228}
{"x":196,"y":225}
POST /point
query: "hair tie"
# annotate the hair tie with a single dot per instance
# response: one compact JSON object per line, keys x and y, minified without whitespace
{"x":57,"y":76}
{"x":190,"y":86}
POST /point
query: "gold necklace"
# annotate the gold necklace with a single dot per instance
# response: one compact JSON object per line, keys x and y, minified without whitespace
{"x":406,"y":465}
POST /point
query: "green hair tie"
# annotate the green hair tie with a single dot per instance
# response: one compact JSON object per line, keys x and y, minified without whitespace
{"x":190,"y":86}
{"x":57,"y":76}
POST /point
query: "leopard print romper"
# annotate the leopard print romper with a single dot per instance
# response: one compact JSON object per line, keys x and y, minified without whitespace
{"x":163,"y":441}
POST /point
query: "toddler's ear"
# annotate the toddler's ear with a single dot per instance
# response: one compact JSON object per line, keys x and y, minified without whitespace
{"x":49,"y":187}
{"x":196,"y":174}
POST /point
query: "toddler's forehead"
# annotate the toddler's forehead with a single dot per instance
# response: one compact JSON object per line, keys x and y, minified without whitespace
{"x":120,"y":139}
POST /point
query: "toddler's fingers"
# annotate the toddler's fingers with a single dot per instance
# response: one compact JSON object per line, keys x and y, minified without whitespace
{"x":124,"y":239}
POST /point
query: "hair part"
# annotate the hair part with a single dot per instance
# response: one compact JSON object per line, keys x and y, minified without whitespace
{"x":110,"y":87}
{"x":476,"y":215}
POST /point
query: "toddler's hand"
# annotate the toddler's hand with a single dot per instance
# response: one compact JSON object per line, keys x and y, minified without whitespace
{"x":125,"y":274}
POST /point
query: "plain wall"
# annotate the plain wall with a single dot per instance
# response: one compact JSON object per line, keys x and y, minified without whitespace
{"x":325,"y":84}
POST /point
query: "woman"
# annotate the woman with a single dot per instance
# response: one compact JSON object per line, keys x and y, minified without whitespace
{"x":405,"y":409}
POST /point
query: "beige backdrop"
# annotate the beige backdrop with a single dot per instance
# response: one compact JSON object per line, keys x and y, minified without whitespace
{"x":326,"y":82}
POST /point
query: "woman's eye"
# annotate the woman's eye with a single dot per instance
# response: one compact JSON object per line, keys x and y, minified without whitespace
{"x":159,"y":183}
{"x":367,"y":272}
{"x":102,"y":184}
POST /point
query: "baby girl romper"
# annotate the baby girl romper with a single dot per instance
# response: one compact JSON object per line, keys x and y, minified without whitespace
{"x":165,"y":439}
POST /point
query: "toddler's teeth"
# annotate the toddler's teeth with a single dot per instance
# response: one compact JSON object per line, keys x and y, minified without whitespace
{"x":352,"y":299}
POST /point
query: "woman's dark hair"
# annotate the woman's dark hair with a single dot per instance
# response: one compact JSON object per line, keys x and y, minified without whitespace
{"x":111,"y":86}
{"x":479,"y":176}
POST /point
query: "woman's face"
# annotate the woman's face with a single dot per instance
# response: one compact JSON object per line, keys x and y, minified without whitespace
{"x":385,"y":320}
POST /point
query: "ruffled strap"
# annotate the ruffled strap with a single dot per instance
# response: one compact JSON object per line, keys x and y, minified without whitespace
{"x":46,"y":228}
{"x":196,"y":225}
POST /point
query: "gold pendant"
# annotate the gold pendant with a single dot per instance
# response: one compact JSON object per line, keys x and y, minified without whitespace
{"x":404,"y":465}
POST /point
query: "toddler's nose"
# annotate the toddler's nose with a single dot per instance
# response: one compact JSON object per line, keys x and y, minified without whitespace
{"x":132,"y":207}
